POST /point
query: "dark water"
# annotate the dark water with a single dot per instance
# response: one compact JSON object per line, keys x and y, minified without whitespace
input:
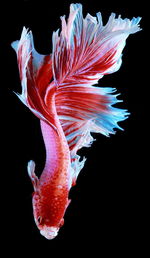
{"x":108,"y":207}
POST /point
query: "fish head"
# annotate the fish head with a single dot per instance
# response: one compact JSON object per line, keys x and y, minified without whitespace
{"x":43,"y":221}
{"x":49,"y":232}
{"x":43,"y":224}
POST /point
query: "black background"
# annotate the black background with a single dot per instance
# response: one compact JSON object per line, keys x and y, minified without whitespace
{"x":108,"y":207}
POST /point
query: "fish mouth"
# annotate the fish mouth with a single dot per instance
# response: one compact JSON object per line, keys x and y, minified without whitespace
{"x":49,"y":232}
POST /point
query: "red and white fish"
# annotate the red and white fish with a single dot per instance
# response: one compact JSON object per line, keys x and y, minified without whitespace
{"x":58,"y":89}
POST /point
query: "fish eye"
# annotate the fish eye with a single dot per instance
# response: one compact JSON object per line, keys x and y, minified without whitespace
{"x":39,"y":219}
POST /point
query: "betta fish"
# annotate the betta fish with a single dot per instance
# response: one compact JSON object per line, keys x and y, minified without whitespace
{"x":58,"y":89}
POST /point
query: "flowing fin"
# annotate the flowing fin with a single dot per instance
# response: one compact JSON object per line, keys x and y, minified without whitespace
{"x":76,"y":167}
{"x":86,"y":50}
{"x":35,"y":74}
{"x":83,"y":53}
{"x":83,"y":110}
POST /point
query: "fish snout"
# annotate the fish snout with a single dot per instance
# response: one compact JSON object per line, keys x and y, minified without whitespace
{"x":49,"y":232}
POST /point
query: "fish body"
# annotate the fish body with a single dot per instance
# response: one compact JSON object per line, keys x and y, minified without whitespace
{"x":58,"y":89}
{"x":50,"y":198}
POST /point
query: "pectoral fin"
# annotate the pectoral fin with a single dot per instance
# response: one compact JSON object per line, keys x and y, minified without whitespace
{"x":33,"y":177}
